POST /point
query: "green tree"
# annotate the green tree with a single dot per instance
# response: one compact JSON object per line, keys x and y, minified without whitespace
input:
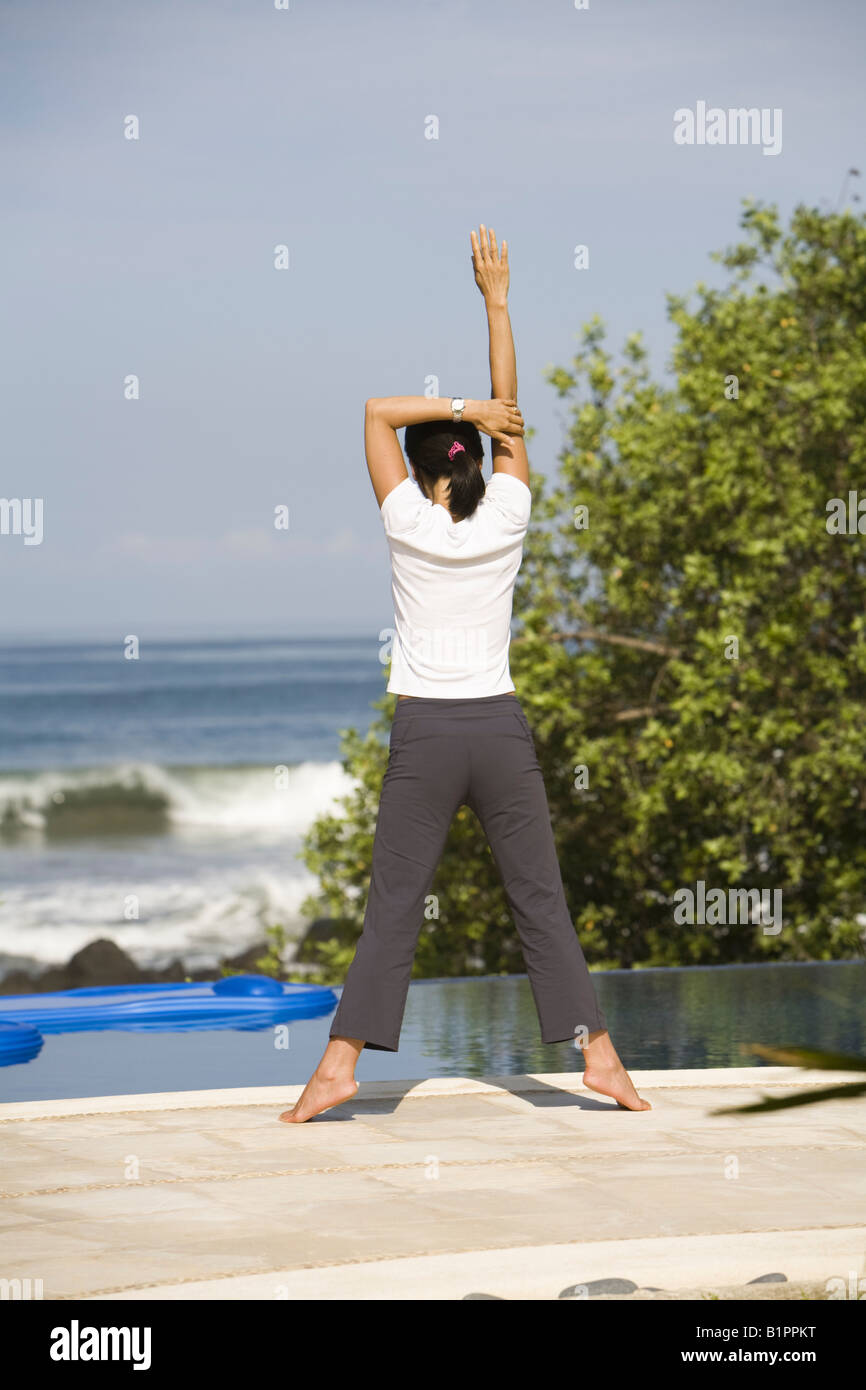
{"x":697,"y":645}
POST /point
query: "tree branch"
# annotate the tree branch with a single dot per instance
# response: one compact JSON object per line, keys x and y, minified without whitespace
{"x":646,"y":712}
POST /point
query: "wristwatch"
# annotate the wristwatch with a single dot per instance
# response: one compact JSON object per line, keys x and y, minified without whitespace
{"x":458,"y":405}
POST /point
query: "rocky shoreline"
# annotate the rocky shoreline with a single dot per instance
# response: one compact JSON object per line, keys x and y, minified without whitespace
{"x":102,"y":962}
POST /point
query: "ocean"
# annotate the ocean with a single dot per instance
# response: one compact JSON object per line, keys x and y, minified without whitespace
{"x":140,"y":799}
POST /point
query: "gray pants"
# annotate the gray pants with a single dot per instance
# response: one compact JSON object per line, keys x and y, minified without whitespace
{"x":444,"y":754}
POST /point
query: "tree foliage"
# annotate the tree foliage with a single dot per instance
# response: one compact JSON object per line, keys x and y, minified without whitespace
{"x":697,"y":646}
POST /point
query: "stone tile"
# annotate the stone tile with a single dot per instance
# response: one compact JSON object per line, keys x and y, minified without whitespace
{"x":483,"y":1177}
{"x":598,"y":1173}
{"x":52,"y":1131}
{"x":415,"y":1153}
{"x":131,"y":1267}
{"x":293,"y":1199}
{"x":835,"y":1172}
{"x":395,"y":1236}
{"x":38,"y":1241}
{"x":12,"y":1220}
{"x":108,"y":1205}
{"x":711,"y":1204}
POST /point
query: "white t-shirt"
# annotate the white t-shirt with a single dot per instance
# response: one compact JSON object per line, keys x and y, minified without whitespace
{"x":452,"y":583}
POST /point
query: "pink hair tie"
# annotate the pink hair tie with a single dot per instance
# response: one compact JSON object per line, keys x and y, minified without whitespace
{"x":456,"y":448}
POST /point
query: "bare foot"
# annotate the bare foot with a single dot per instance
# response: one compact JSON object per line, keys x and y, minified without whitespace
{"x":320,"y":1093}
{"x":605,"y":1074}
{"x":616,"y":1083}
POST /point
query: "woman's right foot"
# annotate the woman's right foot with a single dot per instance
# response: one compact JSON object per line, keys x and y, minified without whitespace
{"x":617,"y":1084}
{"x":605,"y":1074}
{"x":320,"y":1093}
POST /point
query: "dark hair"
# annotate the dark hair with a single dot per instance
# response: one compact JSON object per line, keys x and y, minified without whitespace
{"x":427,"y":448}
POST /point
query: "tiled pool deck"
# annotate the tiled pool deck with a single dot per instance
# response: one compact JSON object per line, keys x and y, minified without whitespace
{"x":516,"y":1187}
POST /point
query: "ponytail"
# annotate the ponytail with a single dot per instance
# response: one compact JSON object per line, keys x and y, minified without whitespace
{"x":452,"y":450}
{"x":467,"y":485}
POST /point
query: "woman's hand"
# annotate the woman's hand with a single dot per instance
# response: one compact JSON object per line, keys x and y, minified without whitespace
{"x":499,"y":419}
{"x":491,"y":268}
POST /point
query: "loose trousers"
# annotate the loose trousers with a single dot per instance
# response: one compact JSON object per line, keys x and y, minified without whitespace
{"x":444,"y":754}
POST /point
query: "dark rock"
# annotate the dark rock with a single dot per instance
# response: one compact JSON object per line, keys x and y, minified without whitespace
{"x":173,"y":974}
{"x":770,"y":1279}
{"x":599,"y":1286}
{"x":324,"y":929}
{"x":495,"y":1296}
{"x":50,"y":980}
{"x":246,"y":960}
{"x":17,"y":982}
{"x":102,"y":962}
{"x":113,"y":809}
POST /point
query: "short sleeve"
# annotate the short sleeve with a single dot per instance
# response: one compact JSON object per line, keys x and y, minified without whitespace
{"x":403,"y":508}
{"x":512,"y":500}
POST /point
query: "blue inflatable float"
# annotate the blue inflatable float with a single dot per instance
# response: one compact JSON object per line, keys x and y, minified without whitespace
{"x":19,"y":1042}
{"x":238,"y":1001}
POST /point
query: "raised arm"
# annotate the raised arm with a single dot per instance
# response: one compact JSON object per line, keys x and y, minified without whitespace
{"x":385,"y":415}
{"x":492,"y":279}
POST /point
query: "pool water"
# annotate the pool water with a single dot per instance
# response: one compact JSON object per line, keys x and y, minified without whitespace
{"x":691,"y":1017}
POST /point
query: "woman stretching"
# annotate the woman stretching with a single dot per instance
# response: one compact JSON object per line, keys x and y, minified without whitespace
{"x":459,"y":734}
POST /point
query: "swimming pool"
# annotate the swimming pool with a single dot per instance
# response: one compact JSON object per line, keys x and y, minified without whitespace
{"x":690,"y":1017}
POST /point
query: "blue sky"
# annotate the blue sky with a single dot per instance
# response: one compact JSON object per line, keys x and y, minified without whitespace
{"x":306,"y":128}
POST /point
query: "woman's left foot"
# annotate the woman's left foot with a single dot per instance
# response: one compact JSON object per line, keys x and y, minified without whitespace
{"x":320,"y":1093}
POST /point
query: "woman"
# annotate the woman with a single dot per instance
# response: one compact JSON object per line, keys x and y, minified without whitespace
{"x":459,"y":734}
